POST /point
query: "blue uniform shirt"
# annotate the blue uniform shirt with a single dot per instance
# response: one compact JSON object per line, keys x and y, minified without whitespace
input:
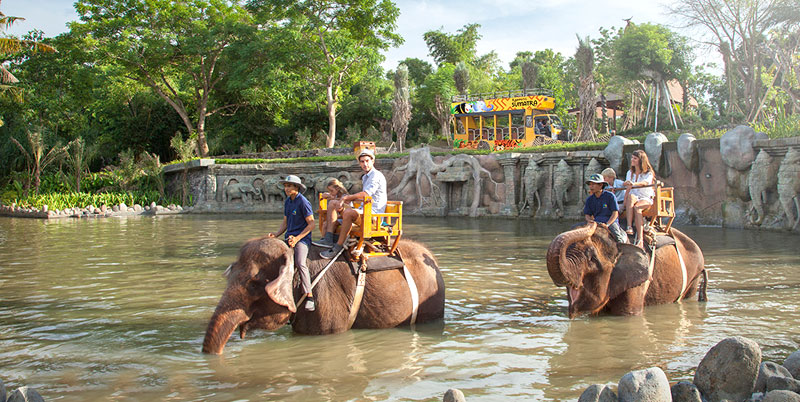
{"x":601,"y":207}
{"x":296,"y":211}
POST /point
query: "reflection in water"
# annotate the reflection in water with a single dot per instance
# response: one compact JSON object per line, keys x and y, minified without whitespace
{"x":117,"y":309}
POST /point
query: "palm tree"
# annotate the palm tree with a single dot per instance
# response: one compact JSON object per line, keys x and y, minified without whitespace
{"x":587,"y":92}
{"x":9,"y":46}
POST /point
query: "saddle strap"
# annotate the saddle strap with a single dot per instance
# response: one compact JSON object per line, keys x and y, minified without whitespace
{"x":683,"y":271}
{"x":650,"y":270}
{"x":359,"y":294}
{"x":412,"y":287}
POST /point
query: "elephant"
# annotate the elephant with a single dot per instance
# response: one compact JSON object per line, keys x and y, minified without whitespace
{"x":262,"y":290}
{"x":243,"y":191}
{"x":602,"y":275}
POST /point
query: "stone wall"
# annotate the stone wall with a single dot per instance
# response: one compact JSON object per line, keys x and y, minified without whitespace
{"x":715,"y":181}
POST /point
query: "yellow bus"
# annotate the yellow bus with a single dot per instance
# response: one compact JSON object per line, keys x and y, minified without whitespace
{"x":502,"y":120}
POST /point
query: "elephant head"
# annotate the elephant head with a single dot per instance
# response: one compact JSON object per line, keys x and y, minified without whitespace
{"x":258,"y":295}
{"x":595,"y":269}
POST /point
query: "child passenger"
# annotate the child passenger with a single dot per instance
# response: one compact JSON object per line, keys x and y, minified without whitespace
{"x":331,"y":220}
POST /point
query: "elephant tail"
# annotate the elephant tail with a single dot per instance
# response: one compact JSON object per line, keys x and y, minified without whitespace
{"x":701,"y":292}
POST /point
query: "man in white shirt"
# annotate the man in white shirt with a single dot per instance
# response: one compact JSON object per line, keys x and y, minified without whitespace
{"x":373,"y":184}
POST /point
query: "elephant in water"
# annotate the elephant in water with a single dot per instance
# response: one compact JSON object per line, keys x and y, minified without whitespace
{"x":262,"y":290}
{"x":603,"y":275}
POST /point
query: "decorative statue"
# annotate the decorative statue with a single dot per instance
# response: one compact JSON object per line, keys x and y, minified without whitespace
{"x":243,"y":191}
{"x":420,"y":165}
{"x":761,"y":179}
{"x":562,"y":181}
{"x":594,"y":167}
{"x":533,"y":180}
{"x":789,"y":186}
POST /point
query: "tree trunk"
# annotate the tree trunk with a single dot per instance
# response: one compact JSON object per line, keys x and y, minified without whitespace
{"x":587,"y":106}
{"x":331,"y":108}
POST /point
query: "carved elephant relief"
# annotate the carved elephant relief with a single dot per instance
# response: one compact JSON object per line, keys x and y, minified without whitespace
{"x":563,"y":178}
{"x":534,"y":179}
{"x":244,"y":191}
{"x":789,"y":186}
{"x":761,"y":180}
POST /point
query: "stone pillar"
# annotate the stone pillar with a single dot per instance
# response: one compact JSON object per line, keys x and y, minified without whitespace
{"x":509,"y":162}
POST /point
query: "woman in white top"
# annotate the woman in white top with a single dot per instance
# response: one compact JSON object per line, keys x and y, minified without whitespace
{"x":638,"y":199}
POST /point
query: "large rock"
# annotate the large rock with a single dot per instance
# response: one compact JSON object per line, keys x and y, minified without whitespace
{"x":2,"y":391}
{"x":653,"y":145}
{"x":781,"y":396}
{"x":454,"y":395}
{"x":736,"y":147}
{"x":688,"y":153}
{"x":767,"y":370}
{"x":777,"y":383}
{"x":25,"y":394}
{"x":792,"y":363}
{"x":598,"y":393}
{"x":613,"y":151}
{"x":685,"y":391}
{"x":729,"y":370}
{"x":649,"y":385}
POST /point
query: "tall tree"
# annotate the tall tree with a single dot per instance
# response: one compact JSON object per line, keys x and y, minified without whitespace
{"x":337,"y":40}
{"x":177,"y":49}
{"x":453,"y":48}
{"x":584,"y":56}
{"x":435,"y":95}
{"x":737,"y":28}
{"x":461,"y":78}
{"x":401,"y":106}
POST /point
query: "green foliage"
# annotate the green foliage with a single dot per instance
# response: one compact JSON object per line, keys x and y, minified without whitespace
{"x":453,"y":48}
{"x":650,"y":51}
{"x":62,"y":201}
{"x":780,"y":127}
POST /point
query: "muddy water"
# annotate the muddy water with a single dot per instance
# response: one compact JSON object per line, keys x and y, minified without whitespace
{"x":117,"y":309}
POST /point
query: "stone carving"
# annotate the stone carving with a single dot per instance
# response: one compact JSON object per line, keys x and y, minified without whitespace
{"x":737,"y":184}
{"x":478,"y":172}
{"x":613,"y":151}
{"x":594,"y":167}
{"x":420,"y":166}
{"x":762,"y":179}
{"x":736,"y":147}
{"x":653,"y":145}
{"x":271,"y":188}
{"x":243,"y":191}
{"x":533,"y":180}
{"x":562,"y":181}
{"x":688,"y":153}
{"x":789,"y":186}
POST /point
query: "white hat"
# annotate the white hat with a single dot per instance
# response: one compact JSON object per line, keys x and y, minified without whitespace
{"x":368,"y":152}
{"x":292,"y":179}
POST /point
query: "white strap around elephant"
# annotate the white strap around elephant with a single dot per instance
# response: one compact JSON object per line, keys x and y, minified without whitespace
{"x":683,"y":271}
{"x":412,"y":287}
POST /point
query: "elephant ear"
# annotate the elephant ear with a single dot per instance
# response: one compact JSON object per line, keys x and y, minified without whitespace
{"x":630,"y":270}
{"x":280,"y":289}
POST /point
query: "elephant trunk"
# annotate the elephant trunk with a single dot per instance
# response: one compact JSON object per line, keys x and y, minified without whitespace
{"x":222,"y":324}
{"x":566,"y":270}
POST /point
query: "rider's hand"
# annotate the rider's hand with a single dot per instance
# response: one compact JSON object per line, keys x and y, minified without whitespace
{"x":292,"y":241}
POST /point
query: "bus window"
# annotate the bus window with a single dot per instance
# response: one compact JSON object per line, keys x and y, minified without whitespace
{"x":517,"y":129}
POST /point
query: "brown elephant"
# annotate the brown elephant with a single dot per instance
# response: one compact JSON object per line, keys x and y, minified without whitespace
{"x":602,"y":275}
{"x":262,"y":290}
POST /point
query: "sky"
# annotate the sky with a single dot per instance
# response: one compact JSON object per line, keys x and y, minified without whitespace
{"x":507,"y":26}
